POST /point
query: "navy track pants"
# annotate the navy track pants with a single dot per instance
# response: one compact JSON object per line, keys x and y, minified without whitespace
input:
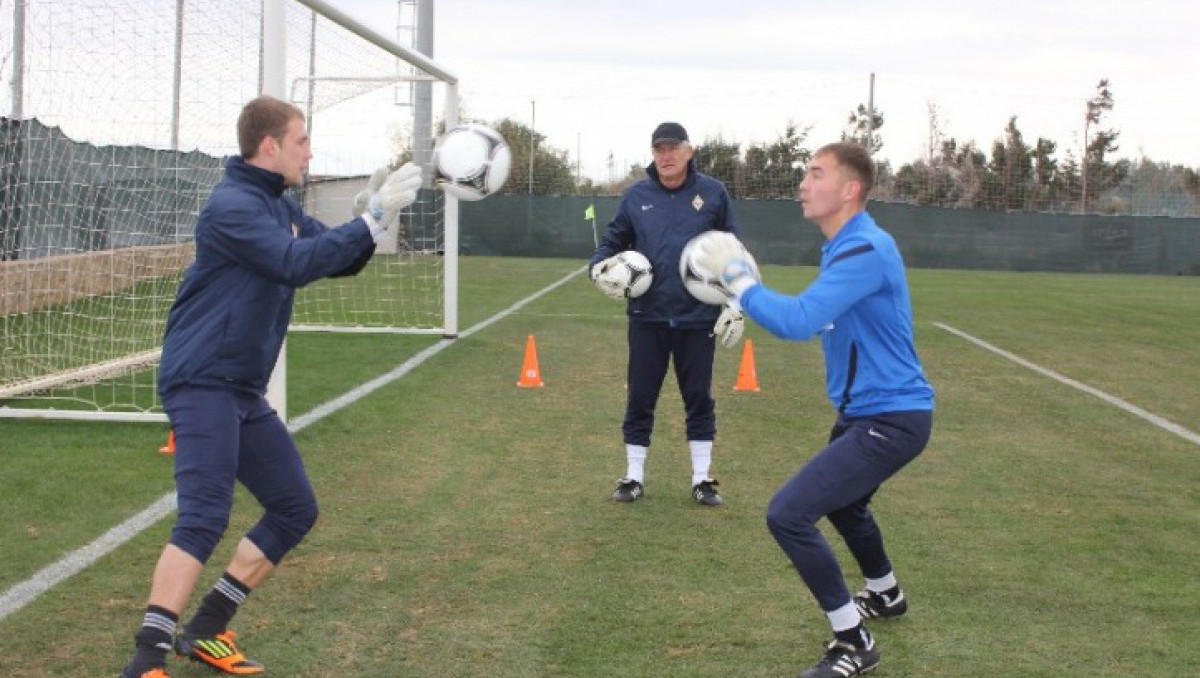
{"x":223,"y":436}
{"x":651,"y":350}
{"x":838,"y":483}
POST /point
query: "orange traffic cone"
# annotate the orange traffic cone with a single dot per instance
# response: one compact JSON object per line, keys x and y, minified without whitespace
{"x":747,"y":378}
{"x":531,"y":375}
{"x":169,"y":448}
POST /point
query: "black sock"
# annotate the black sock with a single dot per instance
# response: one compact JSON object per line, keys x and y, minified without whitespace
{"x":218,"y":607}
{"x":152,"y":642}
{"x":858,"y":636}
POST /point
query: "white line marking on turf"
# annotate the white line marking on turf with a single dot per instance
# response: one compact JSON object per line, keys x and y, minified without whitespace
{"x":23,"y":593}
{"x":1108,"y":398}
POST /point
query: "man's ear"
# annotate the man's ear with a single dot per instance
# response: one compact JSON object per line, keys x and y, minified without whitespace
{"x":268,"y":147}
{"x":852,"y":191}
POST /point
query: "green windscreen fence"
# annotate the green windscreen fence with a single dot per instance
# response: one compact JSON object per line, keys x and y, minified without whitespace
{"x":929,"y":237}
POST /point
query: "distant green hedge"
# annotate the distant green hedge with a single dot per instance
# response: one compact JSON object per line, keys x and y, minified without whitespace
{"x":930,"y":237}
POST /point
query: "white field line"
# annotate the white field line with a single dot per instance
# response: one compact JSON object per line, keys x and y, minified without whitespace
{"x":1108,"y":398}
{"x":23,"y":593}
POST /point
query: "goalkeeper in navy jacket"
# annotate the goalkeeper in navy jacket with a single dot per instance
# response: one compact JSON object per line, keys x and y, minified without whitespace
{"x":254,"y":247}
{"x":859,"y":305}
{"x":657,"y":216}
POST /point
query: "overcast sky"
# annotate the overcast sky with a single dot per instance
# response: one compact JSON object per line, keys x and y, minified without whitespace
{"x":596,"y":77}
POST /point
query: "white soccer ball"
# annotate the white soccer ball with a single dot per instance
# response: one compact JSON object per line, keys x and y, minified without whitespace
{"x":471,"y":161}
{"x":701,"y":283}
{"x":637,"y":271}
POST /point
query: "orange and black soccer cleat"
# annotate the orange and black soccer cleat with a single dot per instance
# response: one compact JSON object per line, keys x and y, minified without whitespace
{"x":219,"y":652}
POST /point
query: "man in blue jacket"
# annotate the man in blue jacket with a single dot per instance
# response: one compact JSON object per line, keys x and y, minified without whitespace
{"x":657,"y":216}
{"x":859,"y":305}
{"x":254,"y":247}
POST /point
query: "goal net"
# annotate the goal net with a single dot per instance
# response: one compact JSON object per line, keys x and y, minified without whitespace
{"x":121,"y":116}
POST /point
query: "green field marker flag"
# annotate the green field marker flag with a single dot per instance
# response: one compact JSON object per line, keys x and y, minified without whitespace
{"x":590,"y":214}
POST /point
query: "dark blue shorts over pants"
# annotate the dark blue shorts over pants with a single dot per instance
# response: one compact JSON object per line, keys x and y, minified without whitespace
{"x":838,"y":483}
{"x":224,"y":436}
{"x":651,"y":350}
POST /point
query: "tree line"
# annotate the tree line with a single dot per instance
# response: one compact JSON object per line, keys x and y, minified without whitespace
{"x":1014,"y":175}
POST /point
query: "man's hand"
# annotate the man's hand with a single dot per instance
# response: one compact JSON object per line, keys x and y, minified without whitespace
{"x":386,"y":194}
{"x":730,"y":327}
{"x":725,"y":257}
{"x":603,"y":274}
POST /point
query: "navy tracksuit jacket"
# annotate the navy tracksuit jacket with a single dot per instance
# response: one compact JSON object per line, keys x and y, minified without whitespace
{"x":254,"y":247}
{"x":667,"y":321}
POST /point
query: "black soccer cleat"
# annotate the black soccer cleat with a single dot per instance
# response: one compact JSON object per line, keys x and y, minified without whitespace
{"x":628,"y":490}
{"x":843,"y":660}
{"x":705,"y":492}
{"x":872,"y":605}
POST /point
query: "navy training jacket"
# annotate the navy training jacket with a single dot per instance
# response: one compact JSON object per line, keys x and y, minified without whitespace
{"x":658,"y":222}
{"x":254,"y":247}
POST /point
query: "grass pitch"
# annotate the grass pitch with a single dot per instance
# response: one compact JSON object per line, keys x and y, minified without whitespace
{"x":466,"y":528}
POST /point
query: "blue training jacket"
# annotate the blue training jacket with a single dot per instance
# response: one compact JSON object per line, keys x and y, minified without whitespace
{"x":254,"y":247}
{"x":658,"y":222}
{"x":860,"y":305}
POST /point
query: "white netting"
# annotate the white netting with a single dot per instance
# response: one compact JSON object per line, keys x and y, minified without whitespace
{"x":362,"y":102}
{"x":103,"y":170}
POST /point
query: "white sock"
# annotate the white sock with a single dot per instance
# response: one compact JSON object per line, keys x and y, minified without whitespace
{"x":844,"y":618}
{"x":635,"y":462}
{"x":701,"y":459}
{"x":882,"y":584}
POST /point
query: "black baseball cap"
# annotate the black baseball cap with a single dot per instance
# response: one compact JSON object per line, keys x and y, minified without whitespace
{"x":668,"y":131}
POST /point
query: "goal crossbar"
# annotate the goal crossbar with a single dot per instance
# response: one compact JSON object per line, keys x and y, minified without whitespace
{"x":354,"y":26}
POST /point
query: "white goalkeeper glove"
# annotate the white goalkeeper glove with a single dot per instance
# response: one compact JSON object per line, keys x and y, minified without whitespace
{"x":604,"y":275}
{"x":385,"y":195}
{"x":730,"y":326}
{"x":727,"y":258}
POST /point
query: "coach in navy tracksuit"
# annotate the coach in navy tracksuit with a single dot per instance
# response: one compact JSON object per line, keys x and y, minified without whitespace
{"x":859,"y":305}
{"x":657,"y":216}
{"x":254,"y":247}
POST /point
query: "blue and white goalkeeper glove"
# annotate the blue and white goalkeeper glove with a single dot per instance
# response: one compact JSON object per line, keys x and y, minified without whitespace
{"x":725,"y":257}
{"x":387,"y":193}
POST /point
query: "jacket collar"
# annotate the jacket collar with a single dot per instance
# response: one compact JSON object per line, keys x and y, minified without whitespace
{"x":856,"y":223}
{"x":271,"y":182}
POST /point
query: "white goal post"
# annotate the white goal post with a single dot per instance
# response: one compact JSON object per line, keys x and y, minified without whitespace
{"x":121,"y":116}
